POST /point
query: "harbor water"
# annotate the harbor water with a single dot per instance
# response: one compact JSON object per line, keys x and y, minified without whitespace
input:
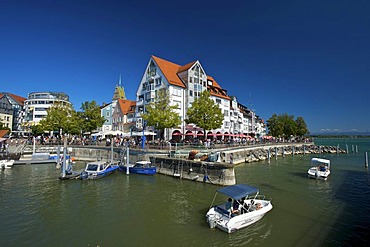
{"x":37,"y":209}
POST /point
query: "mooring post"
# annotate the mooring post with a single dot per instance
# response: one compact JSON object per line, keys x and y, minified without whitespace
{"x":293,"y":150}
{"x":283,"y":151}
{"x":269,"y":155}
{"x":319,"y":149}
{"x":347,"y":148}
{"x":337,"y":148}
{"x":356,"y":149}
{"x":353,"y":149}
{"x":366,"y":160}
{"x":276,"y":152}
{"x":127,"y":160}
{"x":304,"y":149}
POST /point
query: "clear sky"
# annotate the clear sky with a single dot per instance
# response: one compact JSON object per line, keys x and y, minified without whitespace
{"x":306,"y":58}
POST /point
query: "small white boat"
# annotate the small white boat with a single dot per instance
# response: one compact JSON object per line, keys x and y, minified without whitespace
{"x":320,"y":168}
{"x":244,"y":207}
{"x":6,"y":164}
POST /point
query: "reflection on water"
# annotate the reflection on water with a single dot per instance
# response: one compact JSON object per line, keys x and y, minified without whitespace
{"x":37,"y":209}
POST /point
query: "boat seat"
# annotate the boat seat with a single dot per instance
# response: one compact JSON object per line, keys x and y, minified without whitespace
{"x":222,"y":210}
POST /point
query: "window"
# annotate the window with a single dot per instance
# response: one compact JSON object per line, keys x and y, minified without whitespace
{"x":218,"y":101}
{"x":108,"y":113}
{"x":191,"y":93}
{"x":158,"y":81}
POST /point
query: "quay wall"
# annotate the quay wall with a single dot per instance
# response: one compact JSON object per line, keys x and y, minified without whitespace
{"x":176,"y":163}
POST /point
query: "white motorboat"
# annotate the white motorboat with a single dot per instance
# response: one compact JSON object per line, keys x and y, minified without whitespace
{"x":244,"y":207}
{"x":320,"y":168}
{"x":6,"y":164}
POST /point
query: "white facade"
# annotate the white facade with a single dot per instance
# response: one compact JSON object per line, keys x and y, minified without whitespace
{"x":35,"y":107}
{"x":185,"y":83}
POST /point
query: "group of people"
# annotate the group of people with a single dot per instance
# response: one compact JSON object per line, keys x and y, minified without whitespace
{"x":236,"y":207}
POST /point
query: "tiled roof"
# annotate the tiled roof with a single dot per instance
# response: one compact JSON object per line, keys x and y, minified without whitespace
{"x":169,"y":70}
{"x":17,"y":98}
{"x":127,"y":106}
{"x":186,"y":67}
{"x":216,"y":90}
{"x":3,"y":132}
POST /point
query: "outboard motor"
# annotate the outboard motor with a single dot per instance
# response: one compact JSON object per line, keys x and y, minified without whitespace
{"x":211,"y":221}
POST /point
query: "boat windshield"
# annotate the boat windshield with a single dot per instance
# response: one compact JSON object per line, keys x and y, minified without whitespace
{"x":92,"y":167}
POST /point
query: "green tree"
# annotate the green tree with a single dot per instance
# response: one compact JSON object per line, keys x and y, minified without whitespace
{"x":161,"y":114}
{"x":61,"y":117}
{"x":284,"y":125}
{"x":90,"y":117}
{"x":205,"y":113}
{"x":301,"y":127}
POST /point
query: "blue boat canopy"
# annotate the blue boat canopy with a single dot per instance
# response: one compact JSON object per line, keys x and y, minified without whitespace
{"x":238,"y":191}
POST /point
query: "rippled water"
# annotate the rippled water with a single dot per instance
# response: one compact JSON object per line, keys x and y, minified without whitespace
{"x":132,"y":210}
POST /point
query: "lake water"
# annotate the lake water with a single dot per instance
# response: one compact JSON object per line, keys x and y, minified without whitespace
{"x":37,"y":209}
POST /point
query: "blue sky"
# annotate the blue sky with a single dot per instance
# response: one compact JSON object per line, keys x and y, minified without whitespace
{"x":304,"y":57}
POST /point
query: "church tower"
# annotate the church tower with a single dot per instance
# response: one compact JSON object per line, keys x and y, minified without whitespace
{"x":119,"y":92}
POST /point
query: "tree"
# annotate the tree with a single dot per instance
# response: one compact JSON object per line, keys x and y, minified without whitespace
{"x":61,"y":117}
{"x":90,"y":116}
{"x":284,"y":125}
{"x":205,"y":113}
{"x":301,"y":127}
{"x":161,"y":113}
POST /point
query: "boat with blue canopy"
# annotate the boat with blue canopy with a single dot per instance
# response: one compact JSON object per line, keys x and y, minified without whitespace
{"x":243,"y":207}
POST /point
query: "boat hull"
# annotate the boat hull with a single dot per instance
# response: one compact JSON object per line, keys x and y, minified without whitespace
{"x":315,"y":174}
{"x":139,"y":170}
{"x":96,"y":175}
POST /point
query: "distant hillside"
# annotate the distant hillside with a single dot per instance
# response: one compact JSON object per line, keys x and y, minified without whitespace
{"x":341,"y":134}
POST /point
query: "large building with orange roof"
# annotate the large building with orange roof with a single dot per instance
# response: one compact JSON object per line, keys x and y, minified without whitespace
{"x":185,"y":83}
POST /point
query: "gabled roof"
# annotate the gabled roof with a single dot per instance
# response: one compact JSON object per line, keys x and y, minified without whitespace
{"x":216,"y":90}
{"x":127,"y":106}
{"x":19,"y":99}
{"x":169,"y":70}
{"x":186,"y":67}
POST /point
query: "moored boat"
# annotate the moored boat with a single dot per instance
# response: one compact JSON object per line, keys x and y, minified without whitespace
{"x":6,"y":164}
{"x":244,"y":207}
{"x":320,"y":168}
{"x":140,"y":167}
{"x":98,"y":169}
